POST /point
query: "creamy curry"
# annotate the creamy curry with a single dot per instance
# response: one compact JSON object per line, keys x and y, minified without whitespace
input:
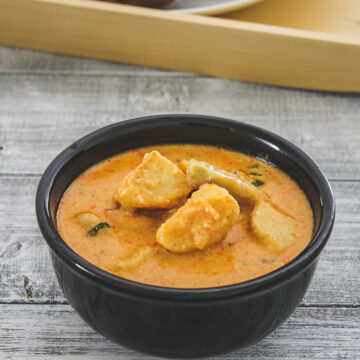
{"x":185,"y":216}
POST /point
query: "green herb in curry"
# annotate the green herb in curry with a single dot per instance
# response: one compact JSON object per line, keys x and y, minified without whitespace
{"x":94,"y":231}
{"x":257,"y":183}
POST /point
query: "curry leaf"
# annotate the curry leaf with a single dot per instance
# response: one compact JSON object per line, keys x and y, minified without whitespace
{"x":97,"y":228}
{"x":257,"y":183}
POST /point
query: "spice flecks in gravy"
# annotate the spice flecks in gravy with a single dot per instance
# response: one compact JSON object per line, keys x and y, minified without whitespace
{"x":239,"y":257}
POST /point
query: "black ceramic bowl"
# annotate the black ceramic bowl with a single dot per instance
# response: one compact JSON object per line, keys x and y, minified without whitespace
{"x":182,"y":322}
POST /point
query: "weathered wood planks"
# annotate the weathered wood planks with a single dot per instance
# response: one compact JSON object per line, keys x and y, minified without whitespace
{"x":20,"y":61}
{"x":47,"y":101}
{"x":56,"y":331}
{"x":42,"y":114}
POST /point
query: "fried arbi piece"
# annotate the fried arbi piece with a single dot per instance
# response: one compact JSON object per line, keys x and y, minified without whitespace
{"x":241,"y":186}
{"x":204,"y":219}
{"x":88,"y":220}
{"x":200,"y":172}
{"x":273,"y":229}
{"x":94,"y":226}
{"x":155,"y":183}
{"x":134,"y":260}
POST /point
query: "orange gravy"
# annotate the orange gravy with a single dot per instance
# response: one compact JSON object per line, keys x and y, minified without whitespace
{"x":238,"y":257}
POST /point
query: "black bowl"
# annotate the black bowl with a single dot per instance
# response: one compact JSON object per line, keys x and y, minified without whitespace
{"x":182,"y":322}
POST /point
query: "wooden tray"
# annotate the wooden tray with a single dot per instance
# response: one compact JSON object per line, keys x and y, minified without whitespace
{"x":313,"y":44}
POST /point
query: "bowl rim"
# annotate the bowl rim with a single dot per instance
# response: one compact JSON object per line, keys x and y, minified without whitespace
{"x":115,"y":283}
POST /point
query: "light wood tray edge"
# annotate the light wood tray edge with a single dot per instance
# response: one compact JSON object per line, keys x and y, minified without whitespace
{"x":193,"y":43}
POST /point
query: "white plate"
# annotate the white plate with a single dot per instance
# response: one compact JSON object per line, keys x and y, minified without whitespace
{"x":209,"y":7}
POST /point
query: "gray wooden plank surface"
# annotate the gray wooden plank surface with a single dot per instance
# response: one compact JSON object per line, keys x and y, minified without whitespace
{"x":23,"y":252}
{"x":48,"y":101}
{"x":17,"y":61}
{"x":42,"y":114}
{"x":57,"y":331}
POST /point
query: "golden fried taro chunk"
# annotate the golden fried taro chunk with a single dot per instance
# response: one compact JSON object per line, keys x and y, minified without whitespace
{"x":273,"y":229}
{"x":204,"y":219}
{"x":200,"y":172}
{"x":155,"y":183}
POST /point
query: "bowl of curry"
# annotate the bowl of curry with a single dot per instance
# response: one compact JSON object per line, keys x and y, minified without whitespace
{"x":184,"y":235}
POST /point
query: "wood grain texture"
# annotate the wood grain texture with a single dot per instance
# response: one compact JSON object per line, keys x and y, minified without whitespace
{"x":218,"y":47}
{"x":57,"y":331}
{"x":23,"y":252}
{"x":21,"y":61}
{"x":328,"y":16}
{"x":67,"y":106}
{"x":48,"y":101}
